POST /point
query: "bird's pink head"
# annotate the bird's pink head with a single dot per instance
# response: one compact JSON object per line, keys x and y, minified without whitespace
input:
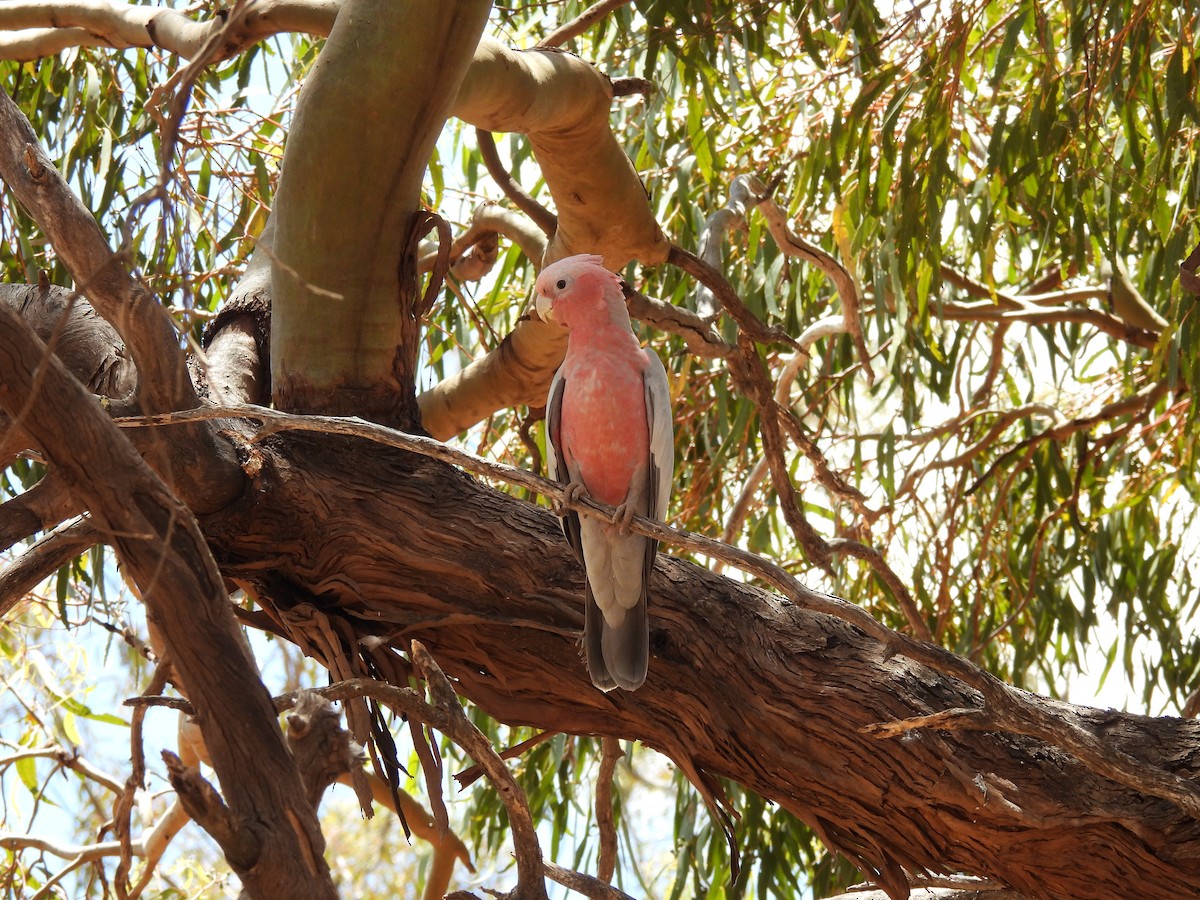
{"x":578,"y":290}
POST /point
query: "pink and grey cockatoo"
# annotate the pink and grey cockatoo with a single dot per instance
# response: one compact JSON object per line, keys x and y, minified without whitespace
{"x":609,"y":434}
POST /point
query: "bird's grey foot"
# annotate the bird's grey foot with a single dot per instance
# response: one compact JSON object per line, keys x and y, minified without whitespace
{"x":622,"y":517}
{"x":571,"y":492}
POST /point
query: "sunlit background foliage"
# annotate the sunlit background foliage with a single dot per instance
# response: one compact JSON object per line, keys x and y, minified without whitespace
{"x":1021,"y":145}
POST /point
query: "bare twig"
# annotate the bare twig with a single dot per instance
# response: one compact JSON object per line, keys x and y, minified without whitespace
{"x":1134,"y":404}
{"x":699,"y":335}
{"x":82,"y":852}
{"x":581,"y":23}
{"x":470,"y":775}
{"x":431,"y":765}
{"x":179,"y":87}
{"x":239,"y":843}
{"x":68,"y":759}
{"x":123,"y":807}
{"x":794,"y":245}
{"x":747,"y":368}
{"x":583,"y":884}
{"x":716,"y":282}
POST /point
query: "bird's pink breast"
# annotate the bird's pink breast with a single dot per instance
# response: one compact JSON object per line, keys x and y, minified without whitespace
{"x":604,"y":428}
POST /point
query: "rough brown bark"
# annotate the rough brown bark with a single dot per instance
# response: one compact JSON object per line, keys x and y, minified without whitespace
{"x":742,"y":685}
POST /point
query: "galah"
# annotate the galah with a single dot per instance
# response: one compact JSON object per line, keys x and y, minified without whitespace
{"x":609,"y":434}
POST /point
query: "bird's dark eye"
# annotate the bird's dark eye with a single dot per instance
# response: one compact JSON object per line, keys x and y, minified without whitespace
{"x":561,"y":284}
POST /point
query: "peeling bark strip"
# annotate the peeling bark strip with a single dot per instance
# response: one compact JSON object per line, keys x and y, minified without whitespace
{"x":742,"y":685}
{"x":161,"y":546}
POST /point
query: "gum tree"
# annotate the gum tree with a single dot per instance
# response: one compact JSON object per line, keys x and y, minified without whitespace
{"x":925,"y":287}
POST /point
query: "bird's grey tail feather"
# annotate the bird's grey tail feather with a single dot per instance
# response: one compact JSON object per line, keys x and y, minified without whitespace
{"x":593,"y":631}
{"x":616,"y":657}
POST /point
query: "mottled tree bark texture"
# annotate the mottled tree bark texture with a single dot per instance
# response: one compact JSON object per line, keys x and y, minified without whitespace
{"x":742,"y":685}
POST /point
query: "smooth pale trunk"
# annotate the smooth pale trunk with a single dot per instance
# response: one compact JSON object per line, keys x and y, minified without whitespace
{"x":344,"y":334}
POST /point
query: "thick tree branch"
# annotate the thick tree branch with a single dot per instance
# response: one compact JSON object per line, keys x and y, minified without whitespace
{"x":42,"y":31}
{"x":163,"y":382}
{"x":43,"y":506}
{"x":1003,"y":701}
{"x":48,"y":554}
{"x":345,"y":314}
{"x":562,"y":104}
{"x":86,"y":343}
{"x":505,"y":626}
{"x":160,"y":544}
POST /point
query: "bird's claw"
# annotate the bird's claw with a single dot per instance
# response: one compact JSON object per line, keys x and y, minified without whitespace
{"x":571,"y":493}
{"x":622,"y":517}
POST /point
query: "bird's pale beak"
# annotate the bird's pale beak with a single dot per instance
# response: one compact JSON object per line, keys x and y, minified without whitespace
{"x":545,"y":308}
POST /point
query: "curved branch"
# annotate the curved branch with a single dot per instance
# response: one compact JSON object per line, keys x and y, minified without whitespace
{"x":581,"y":23}
{"x":709,"y":248}
{"x":42,"y":30}
{"x":712,"y":278}
{"x":359,"y":354}
{"x":542,"y":217}
{"x":794,"y":245}
{"x":141,"y":321}
{"x":492,"y":219}
{"x":87,"y":344}
{"x":47,"y":555}
{"x":610,"y":755}
{"x":43,"y":506}
{"x":563,"y":104}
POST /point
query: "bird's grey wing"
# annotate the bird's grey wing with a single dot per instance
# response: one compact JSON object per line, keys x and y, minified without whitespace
{"x":662,"y":435}
{"x":556,"y":464}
